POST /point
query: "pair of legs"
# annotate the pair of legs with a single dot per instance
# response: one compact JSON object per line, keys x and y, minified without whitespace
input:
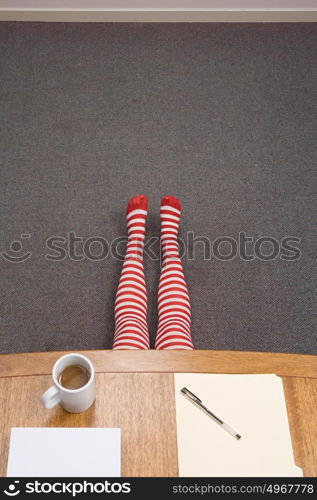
{"x":131,"y":330}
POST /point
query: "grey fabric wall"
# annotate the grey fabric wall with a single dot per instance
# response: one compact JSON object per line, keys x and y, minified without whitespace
{"x":221,"y":115}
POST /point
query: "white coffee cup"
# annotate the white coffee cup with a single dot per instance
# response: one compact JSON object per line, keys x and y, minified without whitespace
{"x":72,"y":400}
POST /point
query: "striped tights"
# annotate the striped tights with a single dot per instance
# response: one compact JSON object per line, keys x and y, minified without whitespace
{"x":131,"y":330}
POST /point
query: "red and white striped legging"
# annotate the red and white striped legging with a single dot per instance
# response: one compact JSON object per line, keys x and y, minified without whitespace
{"x":131,"y":330}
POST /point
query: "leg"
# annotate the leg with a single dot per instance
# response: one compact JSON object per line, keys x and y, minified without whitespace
{"x":131,"y":331}
{"x":173,"y":300}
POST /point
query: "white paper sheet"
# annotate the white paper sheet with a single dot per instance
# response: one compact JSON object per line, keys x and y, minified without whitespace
{"x":62,"y":452}
{"x":254,"y":406}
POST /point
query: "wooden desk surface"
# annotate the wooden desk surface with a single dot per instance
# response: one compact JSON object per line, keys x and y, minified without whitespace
{"x":135,"y":391}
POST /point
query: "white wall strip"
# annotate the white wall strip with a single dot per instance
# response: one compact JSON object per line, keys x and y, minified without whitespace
{"x":160,"y":15}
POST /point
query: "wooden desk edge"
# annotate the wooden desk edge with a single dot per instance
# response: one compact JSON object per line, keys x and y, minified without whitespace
{"x":200,"y":361}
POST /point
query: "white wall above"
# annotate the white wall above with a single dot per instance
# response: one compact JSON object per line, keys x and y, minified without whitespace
{"x":158,"y":4}
{"x":159,"y":10}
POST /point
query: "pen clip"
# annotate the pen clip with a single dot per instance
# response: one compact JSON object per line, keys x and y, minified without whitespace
{"x":190,"y":394}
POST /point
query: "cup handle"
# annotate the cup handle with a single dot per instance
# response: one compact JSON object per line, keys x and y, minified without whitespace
{"x":51,"y":397}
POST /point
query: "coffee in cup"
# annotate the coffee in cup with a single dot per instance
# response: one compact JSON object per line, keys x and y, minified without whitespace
{"x":74,"y":377}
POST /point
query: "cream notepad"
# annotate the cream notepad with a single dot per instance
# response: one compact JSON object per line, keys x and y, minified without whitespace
{"x":62,"y":452}
{"x":254,"y":406}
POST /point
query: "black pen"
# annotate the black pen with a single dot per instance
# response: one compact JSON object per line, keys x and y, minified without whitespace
{"x":198,"y":402}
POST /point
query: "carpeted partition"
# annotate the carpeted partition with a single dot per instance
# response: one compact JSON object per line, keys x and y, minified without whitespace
{"x":220,"y":115}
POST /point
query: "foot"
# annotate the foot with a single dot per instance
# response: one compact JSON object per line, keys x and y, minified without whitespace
{"x":171,"y":202}
{"x":170,"y":214}
{"x":138,"y":202}
{"x":136,"y":217}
